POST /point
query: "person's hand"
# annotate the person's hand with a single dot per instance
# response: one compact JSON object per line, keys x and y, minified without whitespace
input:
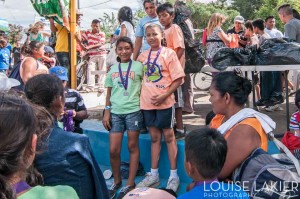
{"x":106,"y":120}
{"x":86,"y":48}
{"x":51,"y":20}
{"x":158,"y":99}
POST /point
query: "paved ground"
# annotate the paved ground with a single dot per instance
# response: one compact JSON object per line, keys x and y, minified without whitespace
{"x":202,"y":106}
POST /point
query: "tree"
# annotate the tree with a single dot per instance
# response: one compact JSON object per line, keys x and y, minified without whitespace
{"x":15,"y":33}
{"x":108,"y":24}
{"x":247,"y":8}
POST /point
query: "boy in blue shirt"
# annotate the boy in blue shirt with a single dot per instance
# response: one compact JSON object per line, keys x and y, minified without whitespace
{"x":205,"y":155}
{"x":150,"y":8}
{"x":4,"y":56}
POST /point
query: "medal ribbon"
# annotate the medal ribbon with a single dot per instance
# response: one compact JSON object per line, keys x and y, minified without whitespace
{"x":154,"y":61}
{"x":124,"y":80}
{"x":20,"y":187}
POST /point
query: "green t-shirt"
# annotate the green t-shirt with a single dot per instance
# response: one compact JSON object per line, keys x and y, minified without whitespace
{"x":55,"y":192}
{"x":125,"y":101}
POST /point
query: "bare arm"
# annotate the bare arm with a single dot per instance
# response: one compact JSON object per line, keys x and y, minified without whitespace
{"x":52,"y":26}
{"x":137,"y":47}
{"x":225,"y":38}
{"x":158,"y":99}
{"x":179,"y":52}
{"x":46,"y":34}
{"x":28,"y":69}
{"x":123,"y":31}
{"x":106,"y":116}
{"x":81,"y":115}
{"x":240,"y":144}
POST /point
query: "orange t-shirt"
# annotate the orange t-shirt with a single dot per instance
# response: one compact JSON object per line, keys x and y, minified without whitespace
{"x":175,"y":40}
{"x":253,"y":122}
{"x":159,"y":77}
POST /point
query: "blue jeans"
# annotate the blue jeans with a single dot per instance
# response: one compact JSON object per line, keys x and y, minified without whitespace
{"x":270,"y":84}
{"x":122,"y":122}
{"x":63,"y":59}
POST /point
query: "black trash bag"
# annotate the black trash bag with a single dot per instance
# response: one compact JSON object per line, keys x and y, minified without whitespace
{"x":278,"y":52}
{"x":233,"y":57}
{"x":125,"y":170}
{"x":194,"y":59}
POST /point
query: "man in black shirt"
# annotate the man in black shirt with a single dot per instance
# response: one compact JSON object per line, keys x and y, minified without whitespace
{"x":16,"y":53}
{"x":239,"y":29}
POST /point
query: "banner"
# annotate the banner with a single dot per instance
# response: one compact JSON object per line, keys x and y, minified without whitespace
{"x":58,"y":9}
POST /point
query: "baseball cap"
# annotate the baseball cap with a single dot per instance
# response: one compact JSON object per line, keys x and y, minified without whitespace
{"x":239,"y":19}
{"x":60,"y":72}
{"x":48,"y":49}
{"x":7,"y":83}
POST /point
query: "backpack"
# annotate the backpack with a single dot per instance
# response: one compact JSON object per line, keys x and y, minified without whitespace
{"x":193,"y":53}
{"x":270,"y":176}
{"x":15,"y":74}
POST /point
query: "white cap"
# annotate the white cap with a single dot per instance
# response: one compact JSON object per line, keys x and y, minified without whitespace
{"x":107,"y":174}
{"x":239,"y":19}
{"x":7,"y":83}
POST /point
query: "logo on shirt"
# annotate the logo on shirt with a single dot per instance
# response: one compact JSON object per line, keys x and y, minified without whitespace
{"x":152,"y":72}
{"x":117,"y":75}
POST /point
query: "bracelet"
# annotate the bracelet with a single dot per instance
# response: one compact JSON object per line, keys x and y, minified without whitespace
{"x":107,"y":108}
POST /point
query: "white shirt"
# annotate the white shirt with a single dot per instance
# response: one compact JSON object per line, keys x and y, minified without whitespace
{"x":130,"y":30}
{"x":274,"y":33}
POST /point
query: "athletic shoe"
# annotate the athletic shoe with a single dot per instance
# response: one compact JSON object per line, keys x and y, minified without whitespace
{"x":273,"y":108}
{"x":275,"y":100}
{"x":149,"y":181}
{"x":260,"y":102}
{"x":125,"y":190}
{"x":113,"y":189}
{"x":179,"y":135}
{"x":173,"y":183}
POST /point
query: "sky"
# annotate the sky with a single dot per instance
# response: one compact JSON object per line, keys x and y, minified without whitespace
{"x":22,"y":12}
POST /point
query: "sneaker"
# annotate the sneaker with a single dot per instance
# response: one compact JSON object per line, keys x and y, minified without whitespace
{"x":260,"y":102}
{"x":125,"y":190}
{"x":273,"y":108}
{"x":275,"y":100}
{"x":173,"y":183}
{"x":149,"y":181}
{"x":113,"y":189}
{"x":179,"y":135}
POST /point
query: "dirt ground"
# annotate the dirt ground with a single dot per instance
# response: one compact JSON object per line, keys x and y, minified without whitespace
{"x":202,"y":107}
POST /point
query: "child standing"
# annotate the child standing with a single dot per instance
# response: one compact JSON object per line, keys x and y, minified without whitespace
{"x":163,"y":74}
{"x":205,"y":167}
{"x":122,"y":113}
{"x":175,"y":41}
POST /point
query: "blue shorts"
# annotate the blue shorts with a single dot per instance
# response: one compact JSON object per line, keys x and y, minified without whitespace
{"x":162,"y":119}
{"x":130,"y":122}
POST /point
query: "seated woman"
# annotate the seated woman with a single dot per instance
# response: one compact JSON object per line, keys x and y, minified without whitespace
{"x":244,"y":129}
{"x":17,"y":148}
{"x":68,"y":158}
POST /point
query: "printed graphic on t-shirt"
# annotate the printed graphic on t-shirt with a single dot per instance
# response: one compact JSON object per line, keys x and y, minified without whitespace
{"x":153,"y":72}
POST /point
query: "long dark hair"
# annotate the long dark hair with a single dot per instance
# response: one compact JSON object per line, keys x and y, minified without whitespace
{"x":125,"y":14}
{"x":123,"y":39}
{"x":18,"y":124}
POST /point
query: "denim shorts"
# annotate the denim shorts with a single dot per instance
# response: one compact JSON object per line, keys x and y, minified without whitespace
{"x":130,"y":122}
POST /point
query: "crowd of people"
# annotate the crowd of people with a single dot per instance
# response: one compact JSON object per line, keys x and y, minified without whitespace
{"x":146,"y":88}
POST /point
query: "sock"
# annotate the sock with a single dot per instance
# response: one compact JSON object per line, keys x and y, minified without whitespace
{"x":154,"y":172}
{"x":173,"y":174}
{"x":180,"y":130}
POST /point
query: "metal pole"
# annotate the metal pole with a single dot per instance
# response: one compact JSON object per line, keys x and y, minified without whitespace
{"x":73,"y":6}
{"x":78,"y":4}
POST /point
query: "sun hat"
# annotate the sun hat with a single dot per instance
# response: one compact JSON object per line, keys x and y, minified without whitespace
{"x":7,"y":83}
{"x":239,"y":19}
{"x":60,"y":72}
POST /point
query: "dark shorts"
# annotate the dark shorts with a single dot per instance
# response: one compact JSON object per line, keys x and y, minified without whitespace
{"x":130,"y":122}
{"x":162,"y":119}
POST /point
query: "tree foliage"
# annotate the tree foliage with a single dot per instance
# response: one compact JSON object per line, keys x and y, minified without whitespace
{"x":109,"y":23}
{"x":15,"y":33}
{"x":247,"y":8}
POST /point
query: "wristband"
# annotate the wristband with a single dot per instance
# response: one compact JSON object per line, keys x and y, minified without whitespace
{"x":107,"y":108}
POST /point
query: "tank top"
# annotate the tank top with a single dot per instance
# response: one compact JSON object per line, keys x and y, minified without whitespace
{"x":253,"y":122}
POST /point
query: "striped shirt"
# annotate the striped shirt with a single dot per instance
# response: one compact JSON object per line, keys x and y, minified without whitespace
{"x":295,"y":121}
{"x":94,"y":39}
{"x":74,"y":101}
